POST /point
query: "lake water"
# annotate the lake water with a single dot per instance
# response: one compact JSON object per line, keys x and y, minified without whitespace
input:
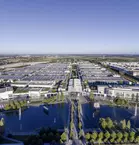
{"x":115,"y":113}
{"x":57,"y":117}
{"x":36,"y":117}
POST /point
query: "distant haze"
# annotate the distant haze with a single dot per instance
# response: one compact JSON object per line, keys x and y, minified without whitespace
{"x":69,"y":26}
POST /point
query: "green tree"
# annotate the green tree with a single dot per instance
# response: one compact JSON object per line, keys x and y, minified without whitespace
{"x":7,"y":107}
{"x":40,"y":142}
{"x":85,"y":82}
{"x":109,"y":123}
{"x":99,"y":140}
{"x":137,"y":139}
{"x":123,"y":102}
{"x":119,"y":137}
{"x":132,"y":136}
{"x":63,"y":137}
{"x":104,"y":124}
{"x":33,"y":142}
{"x":100,"y":135}
{"x":125,"y":137}
{"x":107,"y":136}
{"x":18,"y":106}
{"x":91,"y":96}
{"x":125,"y":140}
{"x":87,"y":136}
{"x":25,"y":102}
{"x":80,"y":125}
{"x":2,"y":122}
{"x":42,"y":131}
{"x":22,"y":103}
{"x":71,"y":124}
{"x":44,"y":137}
{"x":50,"y":136}
{"x":71,"y":134}
{"x":113,"y":135}
{"x":13,"y":107}
{"x":123,"y":124}
{"x":58,"y":97}
{"x":57,"y":137}
{"x":2,"y":128}
{"x":94,"y":135}
{"x":112,"y":140}
{"x":119,"y":102}
{"x":128,"y":124}
{"x":81,"y":134}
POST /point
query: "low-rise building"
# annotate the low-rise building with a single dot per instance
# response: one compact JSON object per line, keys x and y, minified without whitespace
{"x":75,"y":85}
{"x":42,"y":84}
{"x":35,"y":93}
{"x":6,"y":93}
{"x":101,"y":89}
{"x":131,"y":93}
{"x":20,"y":84}
{"x":135,"y":72}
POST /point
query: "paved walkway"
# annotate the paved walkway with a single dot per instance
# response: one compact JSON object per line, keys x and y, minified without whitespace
{"x":83,"y":99}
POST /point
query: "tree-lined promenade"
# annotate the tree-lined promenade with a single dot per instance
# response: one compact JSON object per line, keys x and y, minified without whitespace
{"x":113,"y":132}
{"x":72,"y":133}
{"x":58,"y":98}
{"x":14,"y":105}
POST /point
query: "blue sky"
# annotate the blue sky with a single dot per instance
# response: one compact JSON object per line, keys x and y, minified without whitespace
{"x":69,"y":26}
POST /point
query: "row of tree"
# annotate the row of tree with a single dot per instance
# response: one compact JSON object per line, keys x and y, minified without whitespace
{"x":80,"y":121}
{"x":109,"y":124}
{"x":120,"y":101}
{"x":13,"y":105}
{"x":46,"y":135}
{"x":112,"y":137}
{"x":79,"y":116}
{"x":72,"y":109}
{"x":50,"y":99}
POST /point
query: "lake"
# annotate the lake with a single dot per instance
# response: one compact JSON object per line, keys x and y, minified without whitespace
{"x":35,"y":117}
{"x":115,"y":113}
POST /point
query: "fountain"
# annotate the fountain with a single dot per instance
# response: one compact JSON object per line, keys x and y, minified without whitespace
{"x":20,"y":113}
{"x":136,"y":107}
{"x":96,"y":105}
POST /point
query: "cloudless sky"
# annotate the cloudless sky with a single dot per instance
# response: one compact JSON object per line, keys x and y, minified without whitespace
{"x":69,"y":26}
